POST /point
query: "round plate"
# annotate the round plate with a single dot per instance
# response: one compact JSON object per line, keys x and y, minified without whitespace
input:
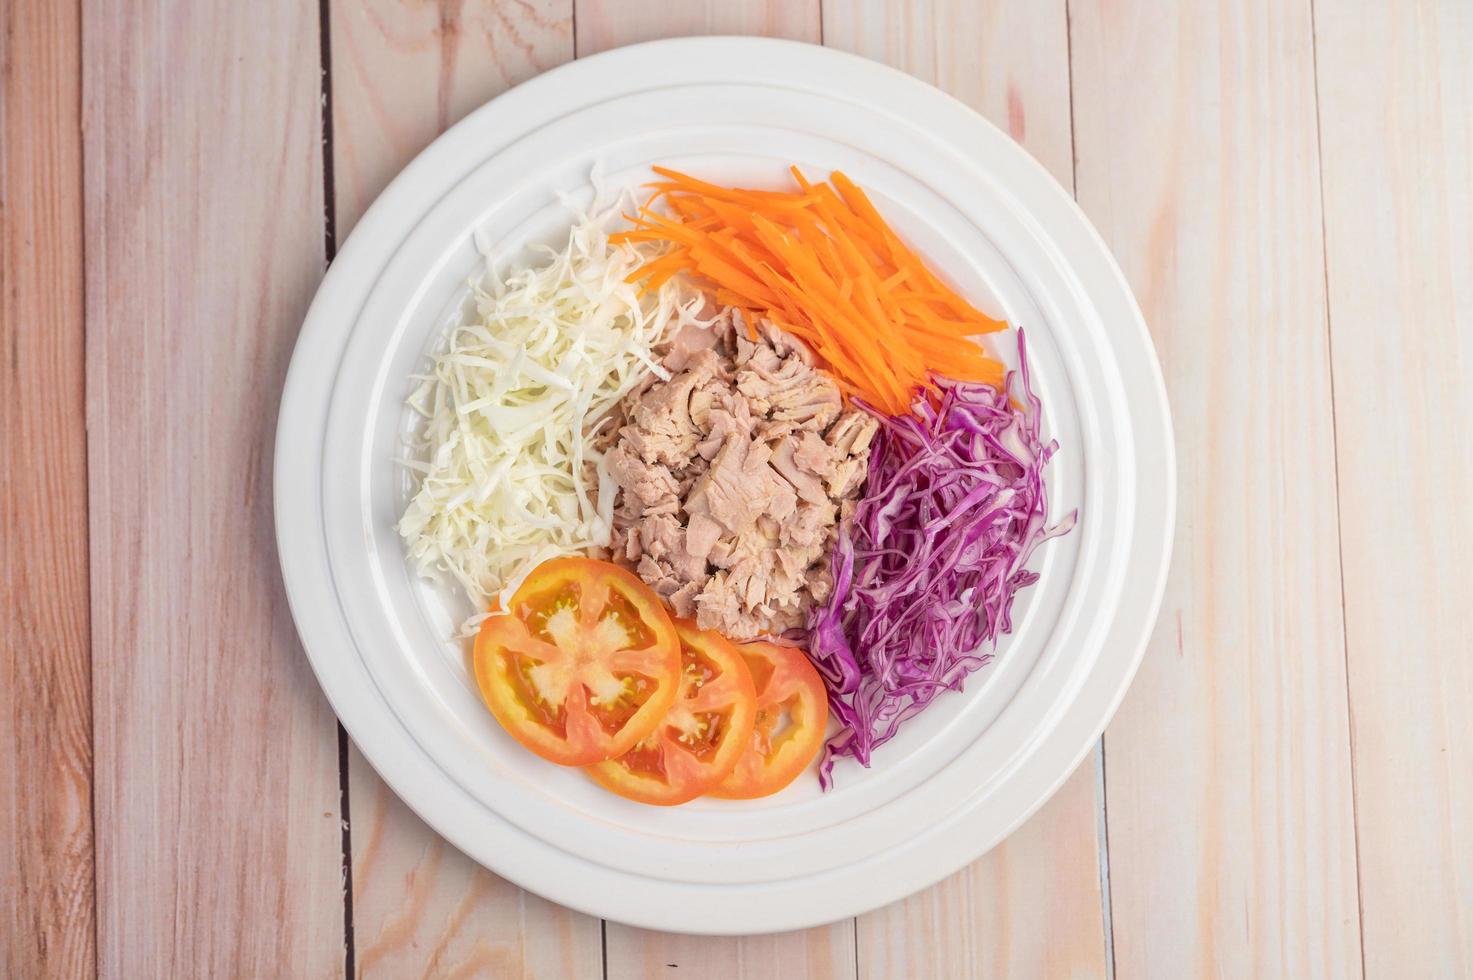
{"x":963,"y":774}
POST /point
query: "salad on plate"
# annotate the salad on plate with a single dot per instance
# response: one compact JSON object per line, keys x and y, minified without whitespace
{"x":734,"y":483}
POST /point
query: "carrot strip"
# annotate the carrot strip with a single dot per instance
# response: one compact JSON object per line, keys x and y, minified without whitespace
{"x":822,"y":264}
{"x":716,"y":267}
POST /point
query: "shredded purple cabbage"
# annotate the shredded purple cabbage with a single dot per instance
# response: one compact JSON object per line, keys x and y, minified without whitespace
{"x":926,"y":571}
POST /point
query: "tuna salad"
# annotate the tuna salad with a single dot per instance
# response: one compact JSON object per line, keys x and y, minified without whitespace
{"x":725,"y":415}
{"x":733,"y":477}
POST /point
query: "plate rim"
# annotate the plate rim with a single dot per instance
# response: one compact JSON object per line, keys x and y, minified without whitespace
{"x":339,"y":277}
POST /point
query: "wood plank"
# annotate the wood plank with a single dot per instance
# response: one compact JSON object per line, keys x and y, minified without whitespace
{"x":1396,"y":110}
{"x":1007,"y":59}
{"x":421,"y":908}
{"x":47,"y":914}
{"x":1030,"y":908}
{"x":1228,"y":784}
{"x":632,"y":953}
{"x":218,"y":841}
{"x":401,"y":74}
{"x":1033,"y":906}
{"x":604,"y":24}
{"x":811,"y":954}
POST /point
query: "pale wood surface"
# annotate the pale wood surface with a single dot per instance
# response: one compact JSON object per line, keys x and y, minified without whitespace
{"x":603,"y":24}
{"x":1396,"y":111}
{"x":820,"y":954}
{"x":422,"y":908}
{"x":218,"y":845}
{"x":401,"y":74}
{"x":1030,"y":908}
{"x":1009,"y":60}
{"x":1288,"y":790}
{"x":1231,"y":842}
{"x":46,"y":901}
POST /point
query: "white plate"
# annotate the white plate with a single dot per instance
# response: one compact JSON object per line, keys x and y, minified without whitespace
{"x":965,"y":773}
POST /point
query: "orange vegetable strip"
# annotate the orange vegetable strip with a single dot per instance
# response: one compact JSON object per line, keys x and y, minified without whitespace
{"x":736,"y":216}
{"x":679,"y":181}
{"x":634,"y":235}
{"x":657,"y":280}
{"x":855,"y":341}
{"x":856,"y":261}
{"x":812,"y":275}
{"x":869,"y":300}
{"x":960,"y":328}
{"x":822,"y":264}
{"x":676,"y":259}
{"x":947,"y":356}
{"x":902,"y":255}
{"x":958,"y":305}
{"x":898,"y":279}
{"x":659,"y":271}
{"x":779,"y":286}
{"x":832,"y":351}
{"x":833,"y":261}
{"x":861,"y":346}
{"x":690,"y":207}
{"x":873,"y":241}
{"x":713,"y":265}
{"x":822,"y":342}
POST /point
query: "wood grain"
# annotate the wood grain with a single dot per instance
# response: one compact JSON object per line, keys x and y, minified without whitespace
{"x":1030,"y":908}
{"x":218,"y":841}
{"x":403,"y":71}
{"x":1033,"y":906}
{"x":631,"y":953}
{"x":604,"y":24}
{"x":401,"y":74}
{"x":825,"y":953}
{"x":46,"y":895}
{"x":1228,"y":770}
{"x":1396,"y":110}
{"x":1007,"y":59}
{"x":423,"y":909}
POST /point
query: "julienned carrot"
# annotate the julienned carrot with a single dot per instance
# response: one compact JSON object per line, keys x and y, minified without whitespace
{"x":822,"y":264}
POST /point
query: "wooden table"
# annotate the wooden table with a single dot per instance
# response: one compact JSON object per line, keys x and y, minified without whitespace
{"x":1288,"y":789}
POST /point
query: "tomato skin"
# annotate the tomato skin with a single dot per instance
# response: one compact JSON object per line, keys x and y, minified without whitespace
{"x":575,"y":628}
{"x":787,"y":684}
{"x":716,"y":696}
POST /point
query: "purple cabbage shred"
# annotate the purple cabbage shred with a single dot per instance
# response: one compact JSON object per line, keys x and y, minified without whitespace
{"x":926,"y":570}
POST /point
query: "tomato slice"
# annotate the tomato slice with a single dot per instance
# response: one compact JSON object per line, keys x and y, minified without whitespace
{"x":703,"y":734}
{"x":792,"y":721}
{"x":583,"y":666}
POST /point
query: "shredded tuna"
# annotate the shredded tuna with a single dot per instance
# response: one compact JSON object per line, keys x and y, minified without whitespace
{"x":732,"y":477}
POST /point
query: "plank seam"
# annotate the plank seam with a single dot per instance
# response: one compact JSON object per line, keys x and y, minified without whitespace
{"x":1102,"y":833}
{"x":1102,"y":823}
{"x":329,"y":191}
{"x":1073,"y":141}
{"x":349,"y":951}
{"x":330,"y":250}
{"x":89,"y":640}
{"x":1360,"y":905}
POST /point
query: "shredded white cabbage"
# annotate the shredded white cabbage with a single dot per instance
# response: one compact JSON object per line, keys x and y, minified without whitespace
{"x":509,"y":469}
